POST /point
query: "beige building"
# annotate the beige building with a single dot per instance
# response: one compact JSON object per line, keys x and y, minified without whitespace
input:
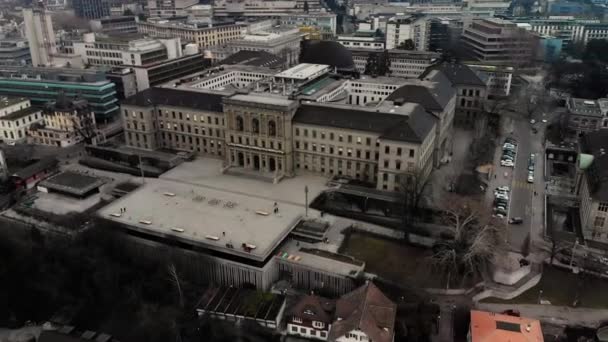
{"x":203,"y":36}
{"x":16,"y":117}
{"x":66,"y":123}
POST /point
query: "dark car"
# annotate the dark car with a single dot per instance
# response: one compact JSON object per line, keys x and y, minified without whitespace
{"x":534,"y":130}
{"x":516,"y":220}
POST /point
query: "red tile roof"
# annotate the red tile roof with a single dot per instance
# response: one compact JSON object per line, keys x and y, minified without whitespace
{"x":493,"y":327}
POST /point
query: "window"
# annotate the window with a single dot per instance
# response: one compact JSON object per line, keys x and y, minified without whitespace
{"x":297,"y":132}
{"x":398,"y":165}
{"x":385,"y":163}
{"x":303,"y":330}
{"x":255,"y":126}
{"x":297,"y":319}
{"x":368,"y":141}
{"x":599,"y":222}
{"x":603,"y":206}
{"x":350,"y":138}
{"x":314,"y":134}
{"x":358,"y":140}
{"x":272,"y":129}
{"x":411,"y":153}
{"x":399,"y":151}
{"x":323,"y":334}
{"x":331,"y":136}
{"x":387,"y":149}
{"x":294,"y":328}
{"x":305,"y":132}
{"x":239,"y":123}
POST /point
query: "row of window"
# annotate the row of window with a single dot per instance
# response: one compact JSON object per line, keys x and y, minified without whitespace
{"x":307,"y":331}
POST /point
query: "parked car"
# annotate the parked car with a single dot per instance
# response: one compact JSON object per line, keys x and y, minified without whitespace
{"x":507,"y":163}
{"x":501,"y":211}
{"x":534,"y":130}
{"x":503,"y":188}
{"x":509,"y":152}
{"x":530,"y":177}
{"x":516,"y":220}
{"x":502,"y":197}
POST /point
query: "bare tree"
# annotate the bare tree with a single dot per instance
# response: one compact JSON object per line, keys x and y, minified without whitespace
{"x":175,"y":279}
{"x":413,"y":184}
{"x":476,"y":239}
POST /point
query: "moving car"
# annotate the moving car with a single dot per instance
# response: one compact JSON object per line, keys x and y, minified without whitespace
{"x":516,"y":220}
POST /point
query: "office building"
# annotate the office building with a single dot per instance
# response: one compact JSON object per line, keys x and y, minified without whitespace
{"x":404,"y":63}
{"x":42,"y":85}
{"x":115,"y":25}
{"x":161,"y":72}
{"x":40,"y":35}
{"x":66,"y":122}
{"x":204,"y":35}
{"x":363,"y":40}
{"x":264,"y":8}
{"x":549,"y":49}
{"x":409,"y":27}
{"x":125,"y":81}
{"x":498,"y":41}
{"x":325,"y":22}
{"x":16,"y":117}
{"x":169,"y":8}
{"x":15,"y":53}
{"x":125,"y":50}
{"x":486,"y":8}
{"x":91,"y":9}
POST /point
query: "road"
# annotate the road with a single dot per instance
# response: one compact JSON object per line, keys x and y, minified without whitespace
{"x":523,"y":202}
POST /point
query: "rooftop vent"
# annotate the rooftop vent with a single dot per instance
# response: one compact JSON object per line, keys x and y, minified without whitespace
{"x":146,"y":222}
{"x":177,"y":230}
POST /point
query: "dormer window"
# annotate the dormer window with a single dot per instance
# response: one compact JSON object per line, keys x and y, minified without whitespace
{"x":318,"y":325}
{"x":309,"y":312}
{"x":296,"y":319}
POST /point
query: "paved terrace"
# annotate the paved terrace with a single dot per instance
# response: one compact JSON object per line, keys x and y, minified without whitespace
{"x":211,"y":218}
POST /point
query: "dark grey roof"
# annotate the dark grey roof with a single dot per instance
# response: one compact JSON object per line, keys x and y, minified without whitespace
{"x":458,"y":74}
{"x":255,"y":58}
{"x":327,"y":52}
{"x":176,"y":97}
{"x":433,"y":98}
{"x":72,"y":182}
{"x":20,"y":113}
{"x":410,"y":128}
{"x":593,"y":142}
{"x":39,"y":166}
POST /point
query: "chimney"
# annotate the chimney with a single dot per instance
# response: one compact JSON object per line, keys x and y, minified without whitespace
{"x":528,"y":327}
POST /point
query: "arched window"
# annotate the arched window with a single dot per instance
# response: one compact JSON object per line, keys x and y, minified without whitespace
{"x":239,"y":123}
{"x":272,"y":128}
{"x":255,"y":126}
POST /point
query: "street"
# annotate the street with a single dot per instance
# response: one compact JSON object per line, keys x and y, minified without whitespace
{"x":522,"y":201}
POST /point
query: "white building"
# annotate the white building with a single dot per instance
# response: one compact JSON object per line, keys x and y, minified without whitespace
{"x":401,"y":28}
{"x":40,"y":35}
{"x":326,"y":22}
{"x":16,"y":117}
{"x":404,"y":63}
{"x":362,"y":40}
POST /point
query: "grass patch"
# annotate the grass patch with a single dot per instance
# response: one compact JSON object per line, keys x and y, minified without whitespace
{"x":393,"y":260}
{"x":560,"y":287}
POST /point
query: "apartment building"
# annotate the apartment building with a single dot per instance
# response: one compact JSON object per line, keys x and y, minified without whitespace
{"x":497,"y":41}
{"x":91,"y":9}
{"x":593,"y":186}
{"x":204,"y":35}
{"x":408,"y":27}
{"x":169,"y":8}
{"x":115,"y":25}
{"x":260,"y":126}
{"x":16,"y":117}
{"x":66,"y":123}
{"x":404,"y":63}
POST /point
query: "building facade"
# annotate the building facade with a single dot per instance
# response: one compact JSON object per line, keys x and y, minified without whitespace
{"x":91,"y":9}
{"x":414,"y":28}
{"x":115,"y":25}
{"x":202,"y":36}
{"x":15,"y":53}
{"x":585,"y":115}
{"x":164,"y":71}
{"x":170,"y":8}
{"x":404,"y":63}
{"x":16,"y":117}
{"x":66,"y":123}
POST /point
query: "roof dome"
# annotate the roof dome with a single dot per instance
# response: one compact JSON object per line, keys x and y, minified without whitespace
{"x":327,"y":52}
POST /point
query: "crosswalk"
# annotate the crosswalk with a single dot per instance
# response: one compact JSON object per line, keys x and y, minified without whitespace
{"x":523,"y":185}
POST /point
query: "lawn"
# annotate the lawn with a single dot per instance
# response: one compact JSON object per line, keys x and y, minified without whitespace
{"x":393,"y":260}
{"x":560,"y":288}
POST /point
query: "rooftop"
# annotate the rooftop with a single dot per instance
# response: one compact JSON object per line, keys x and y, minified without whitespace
{"x":433,"y":93}
{"x":304,"y":71}
{"x":492,"y":327}
{"x":458,"y":74}
{"x":241,"y":302}
{"x":215,"y":219}
{"x":584,"y":107}
{"x":72,"y":182}
{"x":267,"y":99}
{"x":7,"y":101}
{"x":177,"y":98}
{"x":255,"y":58}
{"x":20,"y":113}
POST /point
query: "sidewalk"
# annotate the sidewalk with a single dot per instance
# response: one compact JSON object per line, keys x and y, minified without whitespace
{"x":560,"y":315}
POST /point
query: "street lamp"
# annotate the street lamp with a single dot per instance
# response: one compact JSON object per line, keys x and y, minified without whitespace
{"x":540,"y":294}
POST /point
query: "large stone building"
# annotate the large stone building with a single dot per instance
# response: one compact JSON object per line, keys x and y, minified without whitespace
{"x":256,"y":122}
{"x":586,"y":115}
{"x":404,"y":63}
{"x":16,"y":117}
{"x":202,"y":35}
{"x":66,"y":123}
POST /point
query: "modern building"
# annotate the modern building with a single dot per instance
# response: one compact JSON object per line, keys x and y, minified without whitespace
{"x":497,"y":41}
{"x":202,"y":35}
{"x":15,"y":53}
{"x":125,"y":81}
{"x":549,"y":48}
{"x":325,"y":22}
{"x":585,"y":115}
{"x":486,"y":8}
{"x":593,"y":185}
{"x":153,"y":74}
{"x":494,"y":327}
{"x":40,"y":35}
{"x":283,"y":43}
{"x":409,"y":27}
{"x":66,"y":123}
{"x":404,"y":63}
{"x":367,"y":40}
{"x":115,"y":25}
{"x":169,"y":8}
{"x":16,"y":117}
{"x":566,"y":8}
{"x":125,"y":50}
{"x":42,"y":85}
{"x":265,"y":8}
{"x":91,"y":9}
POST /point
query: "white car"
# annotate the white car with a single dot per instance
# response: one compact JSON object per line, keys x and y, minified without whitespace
{"x":503,"y":188}
{"x":501,"y":196}
{"x":507,"y":163}
{"x":533,"y":121}
{"x":530,"y":177}
{"x":544,"y":120}
{"x":508,"y":146}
